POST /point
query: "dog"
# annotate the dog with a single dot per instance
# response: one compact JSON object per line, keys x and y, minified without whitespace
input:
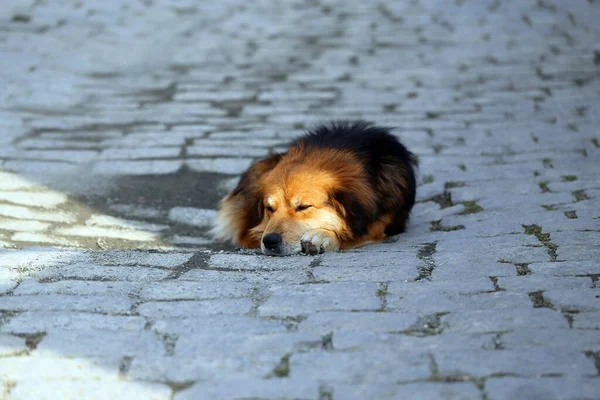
{"x":341,"y":185}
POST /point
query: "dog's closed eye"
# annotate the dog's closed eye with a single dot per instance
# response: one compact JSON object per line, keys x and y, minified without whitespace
{"x":303,"y":207}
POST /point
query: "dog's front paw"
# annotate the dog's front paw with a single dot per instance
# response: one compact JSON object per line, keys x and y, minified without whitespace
{"x":318,"y":241}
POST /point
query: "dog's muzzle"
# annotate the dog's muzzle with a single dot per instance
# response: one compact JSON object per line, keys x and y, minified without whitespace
{"x":272,"y":241}
{"x":274,"y":245}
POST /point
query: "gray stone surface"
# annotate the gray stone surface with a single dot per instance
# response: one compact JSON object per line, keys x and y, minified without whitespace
{"x":88,"y":389}
{"x":504,"y":320}
{"x":584,"y":340}
{"x":527,"y":363}
{"x":547,"y":388}
{"x":122,"y":124}
{"x":425,"y":391}
{"x":361,"y":366}
{"x":571,"y":300}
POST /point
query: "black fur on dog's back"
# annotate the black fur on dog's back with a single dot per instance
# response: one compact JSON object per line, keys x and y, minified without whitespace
{"x":388,"y":164}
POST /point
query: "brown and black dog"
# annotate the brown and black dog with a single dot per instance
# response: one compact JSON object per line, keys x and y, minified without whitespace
{"x":339,"y":186}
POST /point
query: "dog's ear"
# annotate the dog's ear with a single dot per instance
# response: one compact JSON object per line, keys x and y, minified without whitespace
{"x":242,"y":209}
{"x":247,"y":192}
{"x":349,"y":205}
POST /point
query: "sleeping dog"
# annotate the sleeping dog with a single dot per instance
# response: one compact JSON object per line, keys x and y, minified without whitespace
{"x":339,"y":186}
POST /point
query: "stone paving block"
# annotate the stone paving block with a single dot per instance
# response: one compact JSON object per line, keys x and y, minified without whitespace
{"x":231,"y":166}
{"x":476,"y":192}
{"x":192,"y":130}
{"x":472,"y":286}
{"x":92,"y":272}
{"x":430,"y":190}
{"x":182,"y":309}
{"x":578,"y":184}
{"x":214,"y":96}
{"x":258,"y":262}
{"x":327,"y":322}
{"x":11,"y":345}
{"x":283,"y":95}
{"x":33,"y":214}
{"x":510,"y":248}
{"x":501,"y":201}
{"x":576,"y":339}
{"x":445,"y":212}
{"x":570,"y":300}
{"x":54,"y":143}
{"x":369,"y":274}
{"x":135,"y":211}
{"x":97,"y":343}
{"x":507,"y":388}
{"x":565,"y":268}
{"x":140,"y":153}
{"x":22,"y":368}
{"x":490,"y":223}
{"x":149,"y":140}
{"x":12,"y":181}
{"x":41,"y":238}
{"x":258,"y":346}
{"x":179,"y":370}
{"x":425,"y":302}
{"x":66,"y":303}
{"x":132,"y":234}
{"x":248,"y":140}
{"x":413,"y":341}
{"x":259,"y":133}
{"x":77,"y":287}
{"x":192,"y":216}
{"x":83,"y":135}
{"x":574,"y":246}
{"x":360,"y":366}
{"x":36,"y":258}
{"x":525,"y":362}
{"x":45,"y":199}
{"x":424,"y":391}
{"x":503,"y":320}
{"x":587,"y":320}
{"x":291,"y":277}
{"x":190,"y":241}
{"x":267,"y":389}
{"x":121,"y":223}
{"x":483,"y":269}
{"x":9,"y":275}
{"x":535,"y":283}
{"x":45,"y":321}
{"x":133,"y":257}
{"x":41,"y":167}
{"x":10,"y":224}
{"x":210,"y":150}
{"x":217,"y":324}
{"x":88,"y":389}
{"x":176,"y":290}
{"x":305,"y":299}
{"x":150,"y":167}
{"x":403,"y":261}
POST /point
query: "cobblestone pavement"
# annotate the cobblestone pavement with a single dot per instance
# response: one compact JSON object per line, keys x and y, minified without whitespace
{"x":123,"y":123}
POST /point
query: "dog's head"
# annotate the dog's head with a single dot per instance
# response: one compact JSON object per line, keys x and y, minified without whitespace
{"x":306,"y":190}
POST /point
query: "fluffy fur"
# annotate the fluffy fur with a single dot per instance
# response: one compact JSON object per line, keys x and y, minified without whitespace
{"x":339,"y":186}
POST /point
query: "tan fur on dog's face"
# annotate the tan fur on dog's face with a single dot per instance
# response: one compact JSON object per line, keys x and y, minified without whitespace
{"x":297,"y":200}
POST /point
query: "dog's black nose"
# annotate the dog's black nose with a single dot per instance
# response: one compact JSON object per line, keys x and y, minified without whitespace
{"x":271,"y":240}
